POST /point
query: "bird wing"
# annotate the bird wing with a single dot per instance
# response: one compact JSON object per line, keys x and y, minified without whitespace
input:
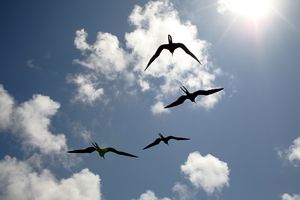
{"x":86,"y":150}
{"x":207,"y":92}
{"x":177,"y":138}
{"x":187,"y":50}
{"x":179,"y":101}
{"x":156,"y":142}
{"x":120,"y":152}
{"x":158,"y":51}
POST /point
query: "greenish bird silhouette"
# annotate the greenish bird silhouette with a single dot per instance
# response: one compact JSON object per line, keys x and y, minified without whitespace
{"x":101,"y":151}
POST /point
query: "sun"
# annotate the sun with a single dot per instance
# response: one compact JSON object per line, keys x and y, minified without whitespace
{"x":250,"y":9}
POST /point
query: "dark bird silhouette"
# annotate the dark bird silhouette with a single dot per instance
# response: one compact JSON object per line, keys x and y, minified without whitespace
{"x":192,"y":96}
{"x":171,"y":47}
{"x":101,"y":151}
{"x":165,"y":140}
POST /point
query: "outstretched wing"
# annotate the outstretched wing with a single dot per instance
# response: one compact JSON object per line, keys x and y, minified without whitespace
{"x":207,"y":92}
{"x":120,"y":152}
{"x":158,"y":51}
{"x":180,"y":45}
{"x":177,"y":138}
{"x":156,"y":142}
{"x":179,"y":101}
{"x":87,"y":150}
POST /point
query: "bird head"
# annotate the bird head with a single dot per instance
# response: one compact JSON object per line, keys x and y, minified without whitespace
{"x":170,"y":40}
{"x":160,"y":135}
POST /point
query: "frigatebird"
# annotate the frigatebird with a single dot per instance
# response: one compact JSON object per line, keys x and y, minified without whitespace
{"x":171,"y":47}
{"x":192,"y":96}
{"x":101,"y":152}
{"x":165,"y":140}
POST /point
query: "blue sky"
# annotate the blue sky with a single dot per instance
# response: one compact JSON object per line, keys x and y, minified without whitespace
{"x":72,"y":72}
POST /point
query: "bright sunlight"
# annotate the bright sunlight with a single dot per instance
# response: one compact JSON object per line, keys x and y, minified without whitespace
{"x":251,"y":9}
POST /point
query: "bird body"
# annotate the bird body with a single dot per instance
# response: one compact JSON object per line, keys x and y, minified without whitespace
{"x":171,"y":47}
{"x":192,"y":96}
{"x":164,"y":139}
{"x":101,"y":151}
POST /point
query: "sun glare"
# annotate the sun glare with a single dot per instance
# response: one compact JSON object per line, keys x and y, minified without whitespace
{"x":251,"y":9}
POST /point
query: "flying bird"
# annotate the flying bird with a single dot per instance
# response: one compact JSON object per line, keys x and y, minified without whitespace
{"x":171,"y":47}
{"x":192,"y":96}
{"x":101,"y":152}
{"x":165,"y":140}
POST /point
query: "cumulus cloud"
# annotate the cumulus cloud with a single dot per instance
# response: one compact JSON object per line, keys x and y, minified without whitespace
{"x":105,"y":56}
{"x":87,"y":91}
{"x":18,"y":180}
{"x":6,"y":108}
{"x":286,"y":196}
{"x":292,"y":154}
{"x":206,"y":172}
{"x":151,"y":25}
{"x":30,"y":120}
{"x":149,"y":195}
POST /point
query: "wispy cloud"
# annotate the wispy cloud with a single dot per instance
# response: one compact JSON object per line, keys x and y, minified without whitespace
{"x":184,"y":192}
{"x":111,"y":62}
{"x":286,"y":196}
{"x":206,"y":172}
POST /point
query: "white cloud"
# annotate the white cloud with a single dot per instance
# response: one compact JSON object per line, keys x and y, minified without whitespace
{"x":105,"y":56}
{"x":6,"y":108}
{"x":149,"y":195}
{"x":286,"y":196}
{"x":30,"y":64}
{"x":184,"y":193}
{"x":18,"y":180}
{"x":294,"y":150}
{"x":206,"y":172}
{"x":158,"y":108}
{"x":31,"y":120}
{"x":87,"y":91}
{"x":80,"y":40}
{"x":292,"y":154}
{"x":151,"y":26}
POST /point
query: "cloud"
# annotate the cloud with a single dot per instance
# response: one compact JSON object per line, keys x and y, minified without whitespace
{"x":158,"y":108}
{"x":152,"y":23}
{"x":82,"y":132}
{"x":149,"y":195}
{"x":206,"y":172}
{"x":30,"y":64}
{"x":286,"y":196}
{"x":184,"y":193}
{"x":18,"y":180}
{"x":105,"y":56}
{"x":30,"y":120}
{"x":87,"y":91}
{"x":292,"y":154}
{"x":6,"y":108}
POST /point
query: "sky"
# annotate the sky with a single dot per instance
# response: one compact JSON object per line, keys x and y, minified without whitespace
{"x":73,"y":72}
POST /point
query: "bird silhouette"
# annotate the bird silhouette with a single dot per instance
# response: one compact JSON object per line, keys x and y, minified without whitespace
{"x":192,"y":96}
{"x":165,"y":140}
{"x":101,"y":152}
{"x":171,"y":47}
